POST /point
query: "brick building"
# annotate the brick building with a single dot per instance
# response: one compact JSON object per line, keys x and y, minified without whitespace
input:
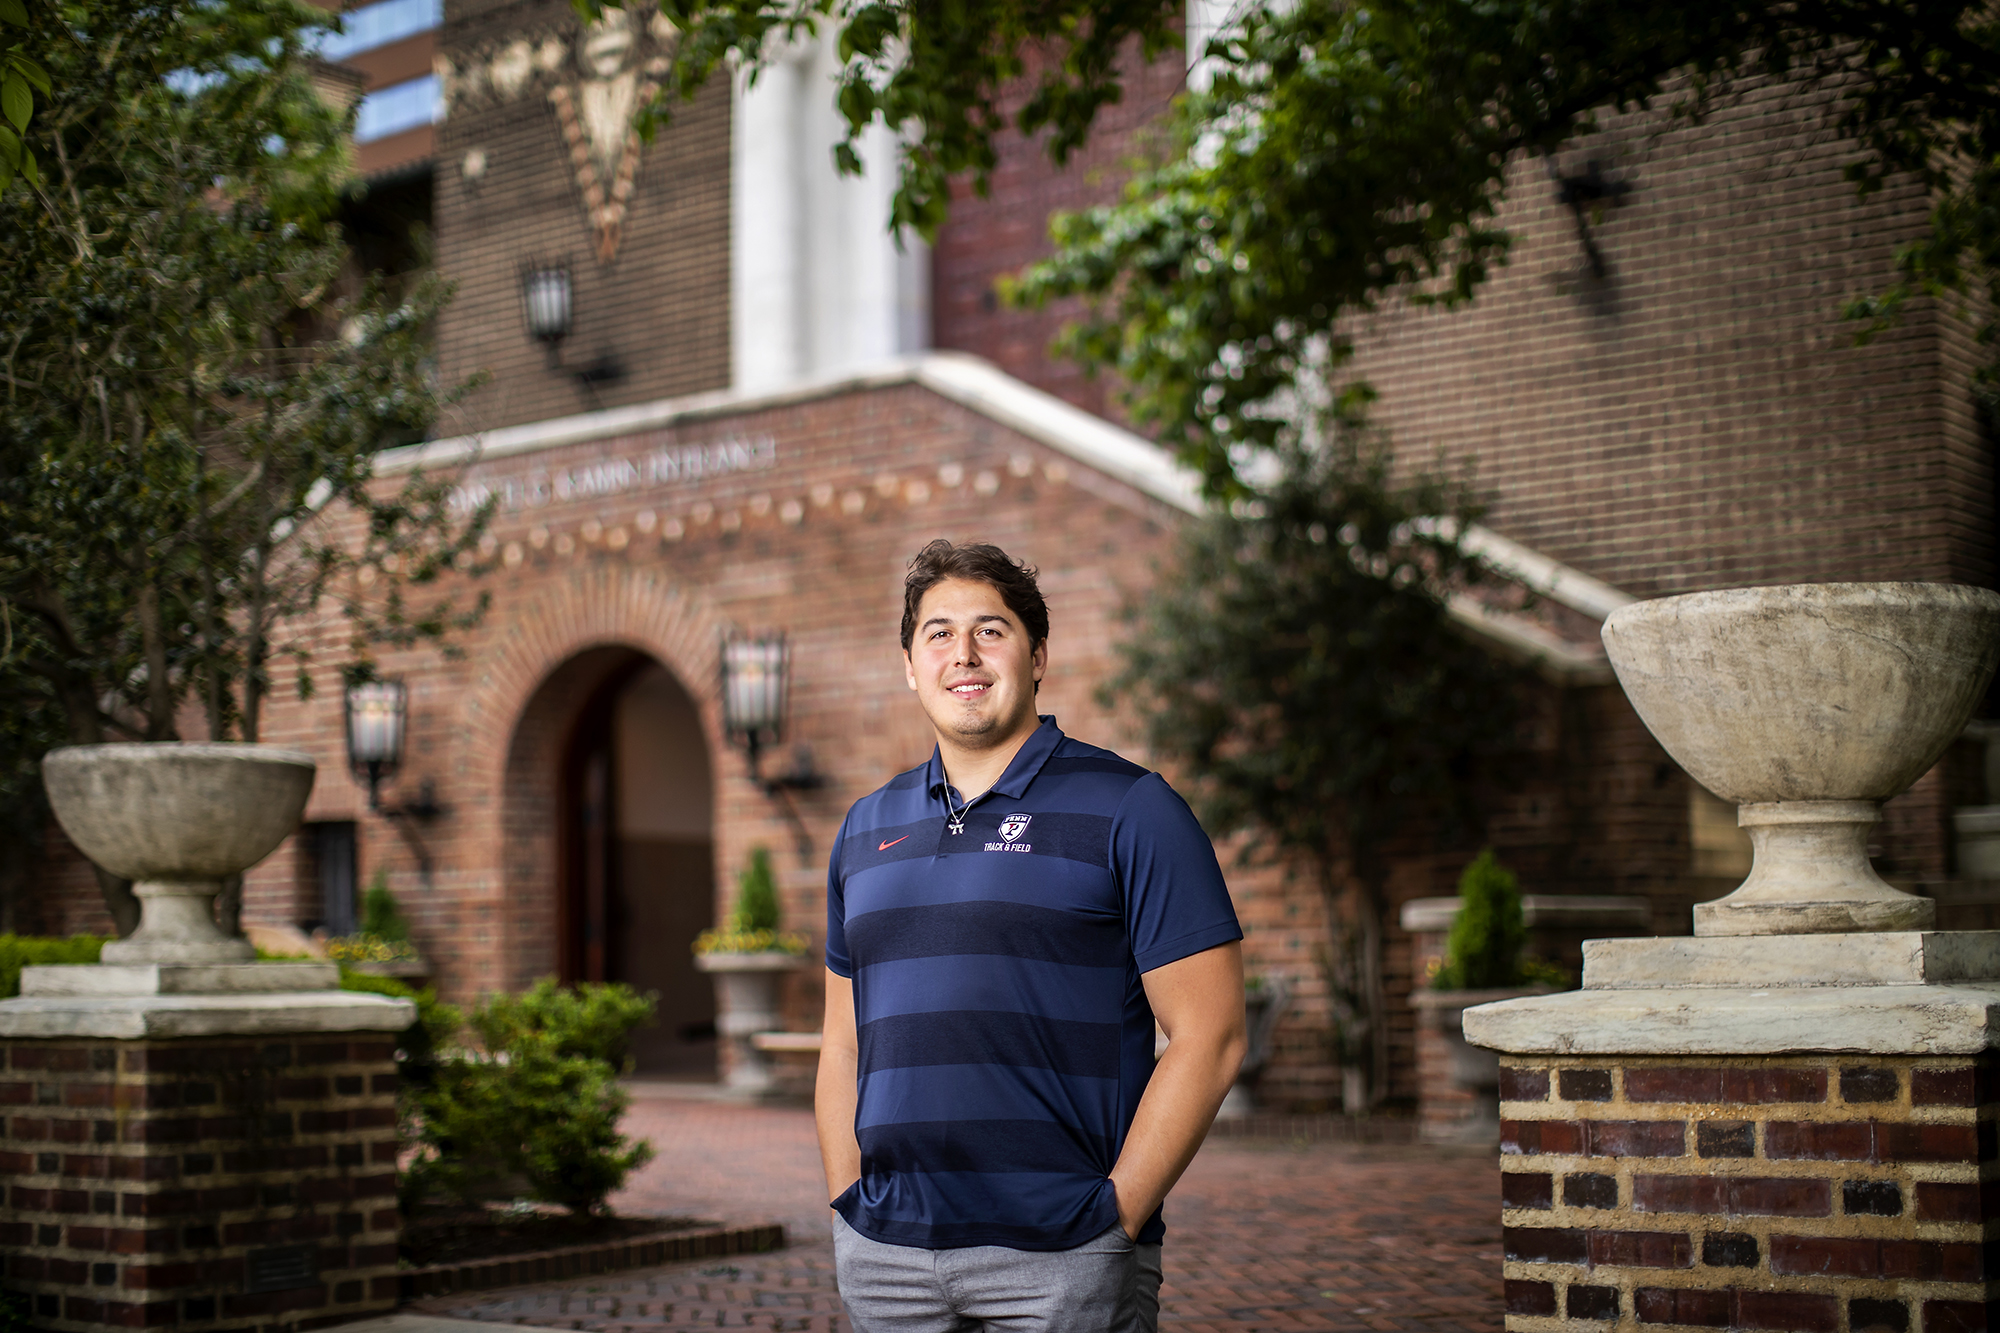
{"x":757,"y":406}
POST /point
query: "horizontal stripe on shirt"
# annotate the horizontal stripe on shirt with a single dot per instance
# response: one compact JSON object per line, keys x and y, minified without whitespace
{"x":1065,"y":886}
{"x":910,"y":1041}
{"x":959,"y":981}
{"x":996,"y":1147}
{"x":941,"y":1209}
{"x":985,"y":1092}
{"x":1005,"y":930}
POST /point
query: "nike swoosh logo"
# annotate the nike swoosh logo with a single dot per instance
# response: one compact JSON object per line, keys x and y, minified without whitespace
{"x":887,"y":845}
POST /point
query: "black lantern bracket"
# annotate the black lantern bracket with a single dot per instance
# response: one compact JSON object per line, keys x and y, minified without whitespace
{"x":548,"y":307}
{"x":756,"y":687}
{"x":377,"y":723}
{"x":1586,"y":193}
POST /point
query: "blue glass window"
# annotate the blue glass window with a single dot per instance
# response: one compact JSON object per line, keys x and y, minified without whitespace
{"x":379,"y":24}
{"x":399,"y":107}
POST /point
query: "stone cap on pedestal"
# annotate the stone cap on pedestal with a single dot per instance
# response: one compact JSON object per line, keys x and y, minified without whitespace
{"x":1780,"y":1020}
{"x":1873,"y":958}
{"x":1577,"y":910}
{"x":97,"y":979}
{"x":159,"y":1017}
{"x":1880,"y":992}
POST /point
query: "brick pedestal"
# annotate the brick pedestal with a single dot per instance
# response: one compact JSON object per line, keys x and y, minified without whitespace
{"x":200,"y":1183}
{"x":1806,"y":1192}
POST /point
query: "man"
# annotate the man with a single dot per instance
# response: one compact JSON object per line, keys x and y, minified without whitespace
{"x":1004,"y":925}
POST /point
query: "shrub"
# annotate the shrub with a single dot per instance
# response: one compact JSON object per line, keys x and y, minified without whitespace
{"x":380,"y":916}
{"x":19,"y":951}
{"x":591,"y":1021}
{"x":756,"y":894}
{"x":1484,"y":947}
{"x":539,"y":1107}
{"x":418,"y":1045}
{"x":753,"y":926}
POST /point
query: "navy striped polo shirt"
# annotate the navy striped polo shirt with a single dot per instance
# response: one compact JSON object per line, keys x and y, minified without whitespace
{"x":1005,"y":1037}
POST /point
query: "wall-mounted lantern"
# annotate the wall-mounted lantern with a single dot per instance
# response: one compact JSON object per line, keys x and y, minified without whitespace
{"x":548,"y":308}
{"x":756,"y":688}
{"x":545,"y":301}
{"x":377,"y":712}
{"x":377,"y":726}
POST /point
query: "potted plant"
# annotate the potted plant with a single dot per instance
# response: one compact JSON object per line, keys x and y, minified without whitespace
{"x":382,"y":947}
{"x":748,"y":956}
{"x":1484,"y":960}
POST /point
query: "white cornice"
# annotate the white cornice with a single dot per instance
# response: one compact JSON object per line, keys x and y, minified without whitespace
{"x":982,"y":387}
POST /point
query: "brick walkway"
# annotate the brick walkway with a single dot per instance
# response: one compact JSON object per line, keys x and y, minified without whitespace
{"x":1263,"y":1237}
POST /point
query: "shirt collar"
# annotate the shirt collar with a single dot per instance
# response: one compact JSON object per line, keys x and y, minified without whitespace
{"x":1021,"y":771}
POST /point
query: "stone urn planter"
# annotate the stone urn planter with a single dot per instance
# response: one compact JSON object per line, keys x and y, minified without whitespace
{"x":177,"y":820}
{"x":1458,"y":1084}
{"x":746,"y":1003}
{"x":1264,"y":1006}
{"x":1808,"y":706}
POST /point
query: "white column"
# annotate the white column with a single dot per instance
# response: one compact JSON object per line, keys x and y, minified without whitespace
{"x":766,"y":219}
{"x":818,"y":284}
{"x":864,"y":299}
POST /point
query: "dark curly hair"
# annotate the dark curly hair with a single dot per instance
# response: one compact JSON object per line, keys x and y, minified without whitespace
{"x":945,"y":559}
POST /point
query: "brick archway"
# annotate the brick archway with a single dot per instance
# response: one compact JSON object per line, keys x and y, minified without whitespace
{"x":544,"y":659}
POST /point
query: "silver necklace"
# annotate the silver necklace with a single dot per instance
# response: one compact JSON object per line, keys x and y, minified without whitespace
{"x":955,"y":818}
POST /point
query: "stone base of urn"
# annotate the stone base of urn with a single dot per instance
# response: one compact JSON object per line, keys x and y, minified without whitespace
{"x":1798,"y":1134}
{"x":746,"y":1004}
{"x":1458,"y":1084}
{"x":198,"y":1147}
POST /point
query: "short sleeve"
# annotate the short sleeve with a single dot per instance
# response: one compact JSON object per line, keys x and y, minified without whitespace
{"x":1176,"y":902}
{"x":837,"y":960}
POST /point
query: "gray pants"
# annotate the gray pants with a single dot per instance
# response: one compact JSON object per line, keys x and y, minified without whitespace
{"x":1105,"y":1285}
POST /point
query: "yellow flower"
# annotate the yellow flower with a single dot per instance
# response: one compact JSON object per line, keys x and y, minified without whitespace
{"x":731,"y":940}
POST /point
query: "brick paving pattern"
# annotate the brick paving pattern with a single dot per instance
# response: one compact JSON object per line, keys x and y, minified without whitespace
{"x":1264,"y":1236}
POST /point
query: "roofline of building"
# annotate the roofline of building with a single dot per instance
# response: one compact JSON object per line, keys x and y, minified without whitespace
{"x":982,"y":387}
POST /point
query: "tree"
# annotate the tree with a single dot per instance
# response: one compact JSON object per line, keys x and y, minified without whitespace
{"x":1298,"y":663}
{"x":1348,"y":151}
{"x":192,"y":391}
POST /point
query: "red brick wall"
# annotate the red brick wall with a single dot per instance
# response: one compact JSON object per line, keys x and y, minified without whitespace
{"x":1803,"y":1192}
{"x":143,"y":1179}
{"x":660,"y":308}
{"x":1700,"y":418}
{"x":991,"y":237}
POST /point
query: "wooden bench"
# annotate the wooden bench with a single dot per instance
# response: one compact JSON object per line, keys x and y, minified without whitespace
{"x":807,"y":1042}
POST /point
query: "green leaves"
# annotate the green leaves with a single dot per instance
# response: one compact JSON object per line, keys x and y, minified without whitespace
{"x":20,"y":78}
{"x":1487,"y":935}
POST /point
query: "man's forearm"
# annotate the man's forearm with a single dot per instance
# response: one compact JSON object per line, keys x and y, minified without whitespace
{"x":833,"y":1109}
{"x":1181,"y":1100}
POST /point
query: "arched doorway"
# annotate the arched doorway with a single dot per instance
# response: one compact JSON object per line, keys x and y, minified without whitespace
{"x":608,"y":844}
{"x":637,"y":880}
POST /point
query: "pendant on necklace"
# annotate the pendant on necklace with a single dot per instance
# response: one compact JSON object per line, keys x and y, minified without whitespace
{"x":955,"y":826}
